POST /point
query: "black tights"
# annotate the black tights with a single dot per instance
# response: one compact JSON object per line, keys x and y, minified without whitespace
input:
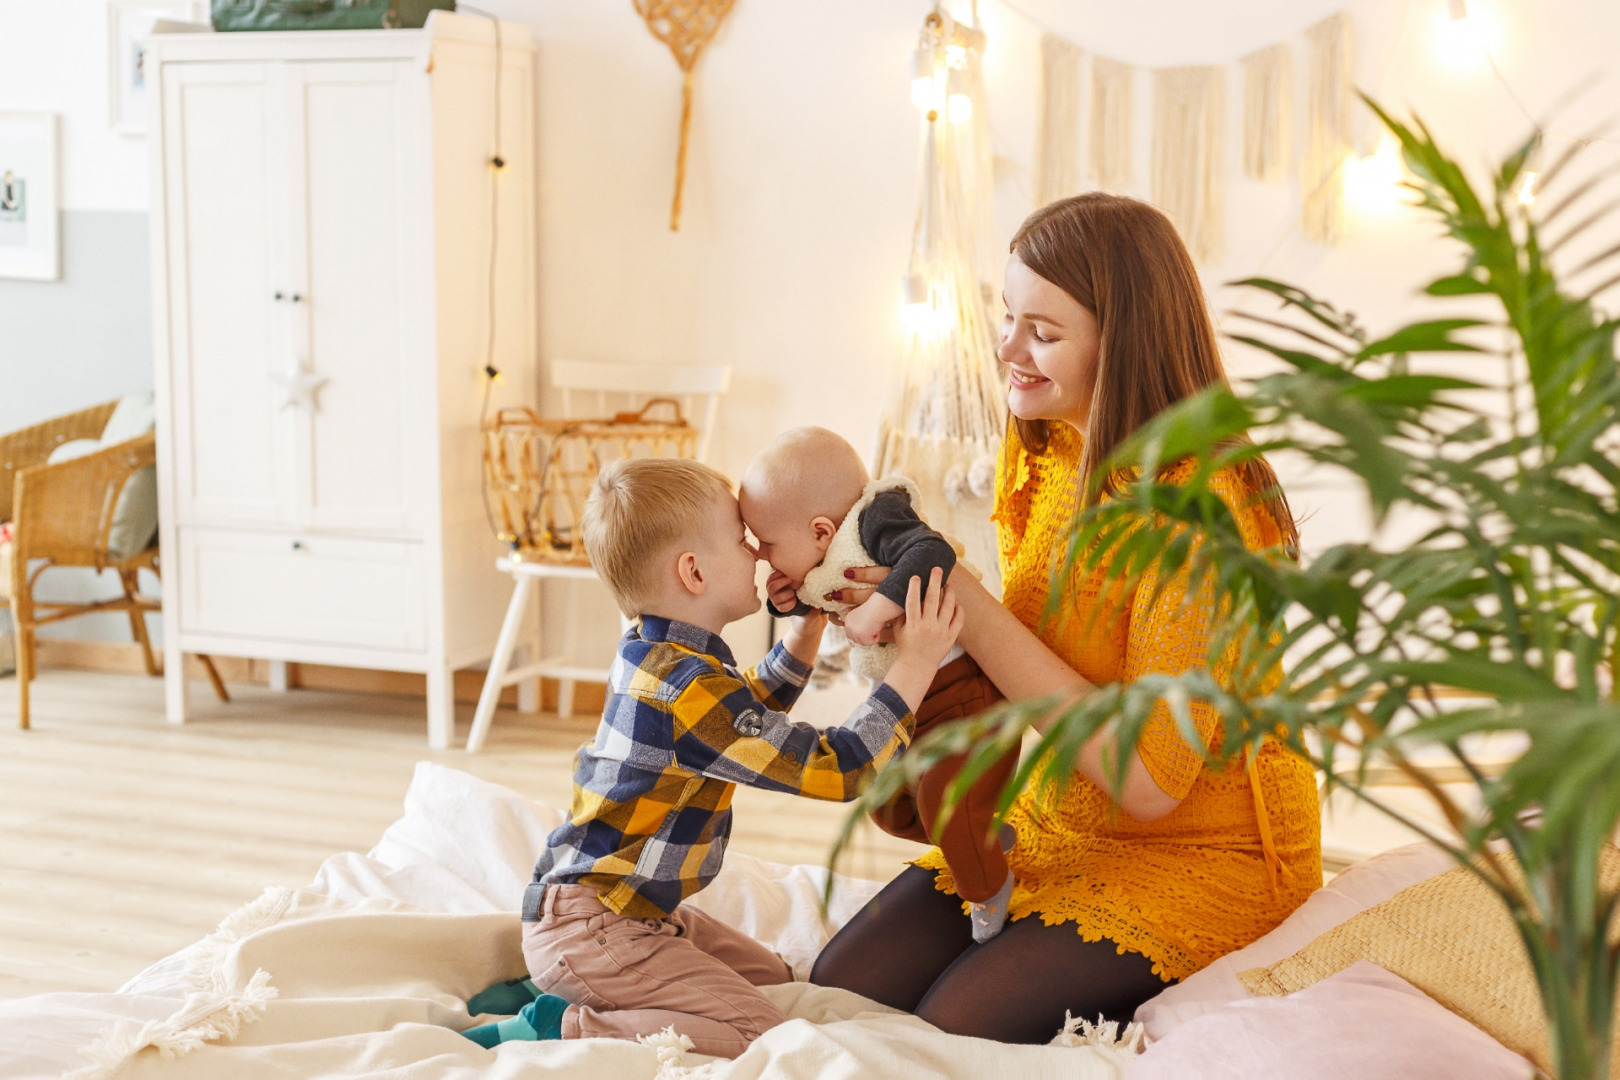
{"x":912,"y":948}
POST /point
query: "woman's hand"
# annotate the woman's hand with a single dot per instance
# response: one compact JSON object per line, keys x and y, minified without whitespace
{"x":866,"y":579}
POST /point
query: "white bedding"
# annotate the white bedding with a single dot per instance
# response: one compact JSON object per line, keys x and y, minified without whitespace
{"x":366,"y":971}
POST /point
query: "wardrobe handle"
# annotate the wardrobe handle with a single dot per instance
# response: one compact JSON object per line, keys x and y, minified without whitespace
{"x":280,"y":296}
{"x":298,"y":545}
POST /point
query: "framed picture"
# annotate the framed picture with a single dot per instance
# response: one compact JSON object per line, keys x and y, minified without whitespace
{"x":129,"y":22}
{"x":30,"y":237}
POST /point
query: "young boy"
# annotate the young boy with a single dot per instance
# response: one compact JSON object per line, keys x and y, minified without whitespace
{"x":798,"y":498}
{"x":610,"y":947}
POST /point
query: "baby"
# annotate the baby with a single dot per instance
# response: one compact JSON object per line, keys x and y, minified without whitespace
{"x":814,"y":513}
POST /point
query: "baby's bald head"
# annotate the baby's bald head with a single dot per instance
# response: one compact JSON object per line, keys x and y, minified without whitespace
{"x":805,"y":474}
{"x":809,"y":469}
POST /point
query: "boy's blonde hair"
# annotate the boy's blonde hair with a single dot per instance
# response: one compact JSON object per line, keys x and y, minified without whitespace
{"x":637,"y":510}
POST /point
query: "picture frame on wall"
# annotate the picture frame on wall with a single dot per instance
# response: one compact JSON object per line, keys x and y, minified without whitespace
{"x":30,"y":199}
{"x":129,"y":23}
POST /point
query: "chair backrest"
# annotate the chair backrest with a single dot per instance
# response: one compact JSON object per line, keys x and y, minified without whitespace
{"x":589,"y":388}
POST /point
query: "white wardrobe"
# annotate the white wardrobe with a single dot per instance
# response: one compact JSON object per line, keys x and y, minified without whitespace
{"x":323,"y":211}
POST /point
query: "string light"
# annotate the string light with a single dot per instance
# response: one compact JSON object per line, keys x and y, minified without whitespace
{"x":959,"y":104}
{"x":1372,"y":183}
{"x":922,"y":77}
{"x":1527,"y":188}
{"x":1465,"y":37}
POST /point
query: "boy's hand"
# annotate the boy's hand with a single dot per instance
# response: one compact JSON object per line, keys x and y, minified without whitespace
{"x":783,"y":594}
{"x":865,"y":624}
{"x":932,"y":620}
{"x":927,"y":634}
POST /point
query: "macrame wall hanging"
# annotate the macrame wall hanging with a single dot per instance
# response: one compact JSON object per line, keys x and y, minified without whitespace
{"x":1268,"y":113}
{"x":1189,"y":108}
{"x":1188,"y":134}
{"x":1327,"y":129}
{"x":1113,"y":111}
{"x":1057,"y":170}
{"x":686,"y":26}
{"x":943,"y":422}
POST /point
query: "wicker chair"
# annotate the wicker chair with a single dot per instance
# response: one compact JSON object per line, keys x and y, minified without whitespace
{"x":61,"y":515}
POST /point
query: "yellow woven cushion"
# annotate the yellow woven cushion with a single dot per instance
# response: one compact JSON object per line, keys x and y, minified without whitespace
{"x":1452,"y":938}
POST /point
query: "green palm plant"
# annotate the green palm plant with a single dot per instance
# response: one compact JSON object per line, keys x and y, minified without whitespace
{"x":1511,"y":458}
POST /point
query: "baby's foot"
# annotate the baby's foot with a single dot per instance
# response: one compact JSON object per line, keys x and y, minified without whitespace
{"x":539,"y":1019}
{"x":504,"y":998}
{"x":990,"y":916}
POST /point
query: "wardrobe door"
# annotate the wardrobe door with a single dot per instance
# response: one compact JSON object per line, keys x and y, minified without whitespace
{"x":359,"y":147}
{"x":223,"y":185}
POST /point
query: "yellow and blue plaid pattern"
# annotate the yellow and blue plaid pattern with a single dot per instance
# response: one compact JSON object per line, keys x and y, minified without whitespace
{"x":682,"y":727}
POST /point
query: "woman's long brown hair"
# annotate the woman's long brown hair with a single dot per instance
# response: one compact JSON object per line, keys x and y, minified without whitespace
{"x":1121,"y":260}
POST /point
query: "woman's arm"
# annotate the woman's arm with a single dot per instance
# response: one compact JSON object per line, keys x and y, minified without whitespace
{"x":1023,"y":667}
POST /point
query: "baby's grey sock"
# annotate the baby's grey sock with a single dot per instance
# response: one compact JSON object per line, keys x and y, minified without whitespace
{"x":989,"y":917}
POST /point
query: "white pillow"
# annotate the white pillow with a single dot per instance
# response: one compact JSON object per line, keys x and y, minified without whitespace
{"x":133,"y":416}
{"x":1361,"y":1022}
{"x":1366,"y":883}
{"x":135,"y":518}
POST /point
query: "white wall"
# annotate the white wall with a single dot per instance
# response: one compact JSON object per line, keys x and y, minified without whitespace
{"x":801,"y":183}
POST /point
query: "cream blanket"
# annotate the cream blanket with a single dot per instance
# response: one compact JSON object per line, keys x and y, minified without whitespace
{"x":366,"y":971}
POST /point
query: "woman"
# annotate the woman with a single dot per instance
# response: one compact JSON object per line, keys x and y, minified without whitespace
{"x":1116,"y":892}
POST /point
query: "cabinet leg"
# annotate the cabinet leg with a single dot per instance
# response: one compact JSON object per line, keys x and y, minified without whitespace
{"x":277,"y":676}
{"x":176,"y":699}
{"x":441,"y":707}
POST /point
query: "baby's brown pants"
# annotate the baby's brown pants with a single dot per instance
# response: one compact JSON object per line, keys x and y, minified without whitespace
{"x":972,"y":853}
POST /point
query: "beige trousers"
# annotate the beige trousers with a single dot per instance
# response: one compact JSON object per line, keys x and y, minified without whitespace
{"x":627,"y":976}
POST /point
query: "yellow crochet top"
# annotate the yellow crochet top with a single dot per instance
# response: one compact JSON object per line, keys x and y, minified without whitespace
{"x":1194,"y":885}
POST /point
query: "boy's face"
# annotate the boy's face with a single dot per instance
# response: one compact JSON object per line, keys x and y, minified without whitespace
{"x":785,"y":541}
{"x":729,"y":561}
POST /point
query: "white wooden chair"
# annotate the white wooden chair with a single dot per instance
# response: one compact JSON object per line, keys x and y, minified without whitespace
{"x":586,"y":389}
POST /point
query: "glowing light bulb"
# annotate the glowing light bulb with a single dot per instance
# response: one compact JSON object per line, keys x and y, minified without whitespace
{"x":1465,"y":37}
{"x":955,"y":56}
{"x":1372,"y":183}
{"x":959,"y":104}
{"x":1527,"y":188}
{"x":922,"y":92}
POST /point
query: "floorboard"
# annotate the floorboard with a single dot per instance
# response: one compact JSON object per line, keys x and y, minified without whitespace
{"x":124,"y":838}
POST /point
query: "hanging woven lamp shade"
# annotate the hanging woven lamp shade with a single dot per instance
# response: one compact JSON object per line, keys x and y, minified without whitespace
{"x":687,"y":27}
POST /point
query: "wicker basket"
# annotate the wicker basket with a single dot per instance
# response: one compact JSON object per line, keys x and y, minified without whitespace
{"x":538,"y":473}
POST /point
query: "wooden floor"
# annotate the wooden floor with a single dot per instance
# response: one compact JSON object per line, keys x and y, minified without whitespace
{"x":124,"y":838}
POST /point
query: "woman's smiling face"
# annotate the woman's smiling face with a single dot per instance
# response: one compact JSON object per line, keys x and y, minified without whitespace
{"x":1050,"y":344}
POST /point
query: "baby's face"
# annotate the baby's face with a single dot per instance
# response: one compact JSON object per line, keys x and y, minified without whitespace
{"x":786,"y":539}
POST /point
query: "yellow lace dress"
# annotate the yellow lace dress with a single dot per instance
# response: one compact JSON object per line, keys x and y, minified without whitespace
{"x":1194,"y":885}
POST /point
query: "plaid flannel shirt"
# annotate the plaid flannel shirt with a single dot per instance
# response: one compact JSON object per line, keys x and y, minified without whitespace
{"x":682,"y":727}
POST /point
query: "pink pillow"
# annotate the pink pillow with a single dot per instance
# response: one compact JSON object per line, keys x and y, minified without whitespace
{"x":1369,"y":882}
{"x":1359,"y":1023}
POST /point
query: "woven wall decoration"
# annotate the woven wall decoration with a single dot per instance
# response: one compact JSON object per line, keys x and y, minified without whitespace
{"x":1327,"y":129}
{"x":1113,"y":111}
{"x":687,"y":27}
{"x":1057,"y":169}
{"x":1189,"y":109}
{"x":1268,"y":114}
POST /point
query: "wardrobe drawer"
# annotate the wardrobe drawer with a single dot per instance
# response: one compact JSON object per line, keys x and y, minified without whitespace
{"x":316,"y":589}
